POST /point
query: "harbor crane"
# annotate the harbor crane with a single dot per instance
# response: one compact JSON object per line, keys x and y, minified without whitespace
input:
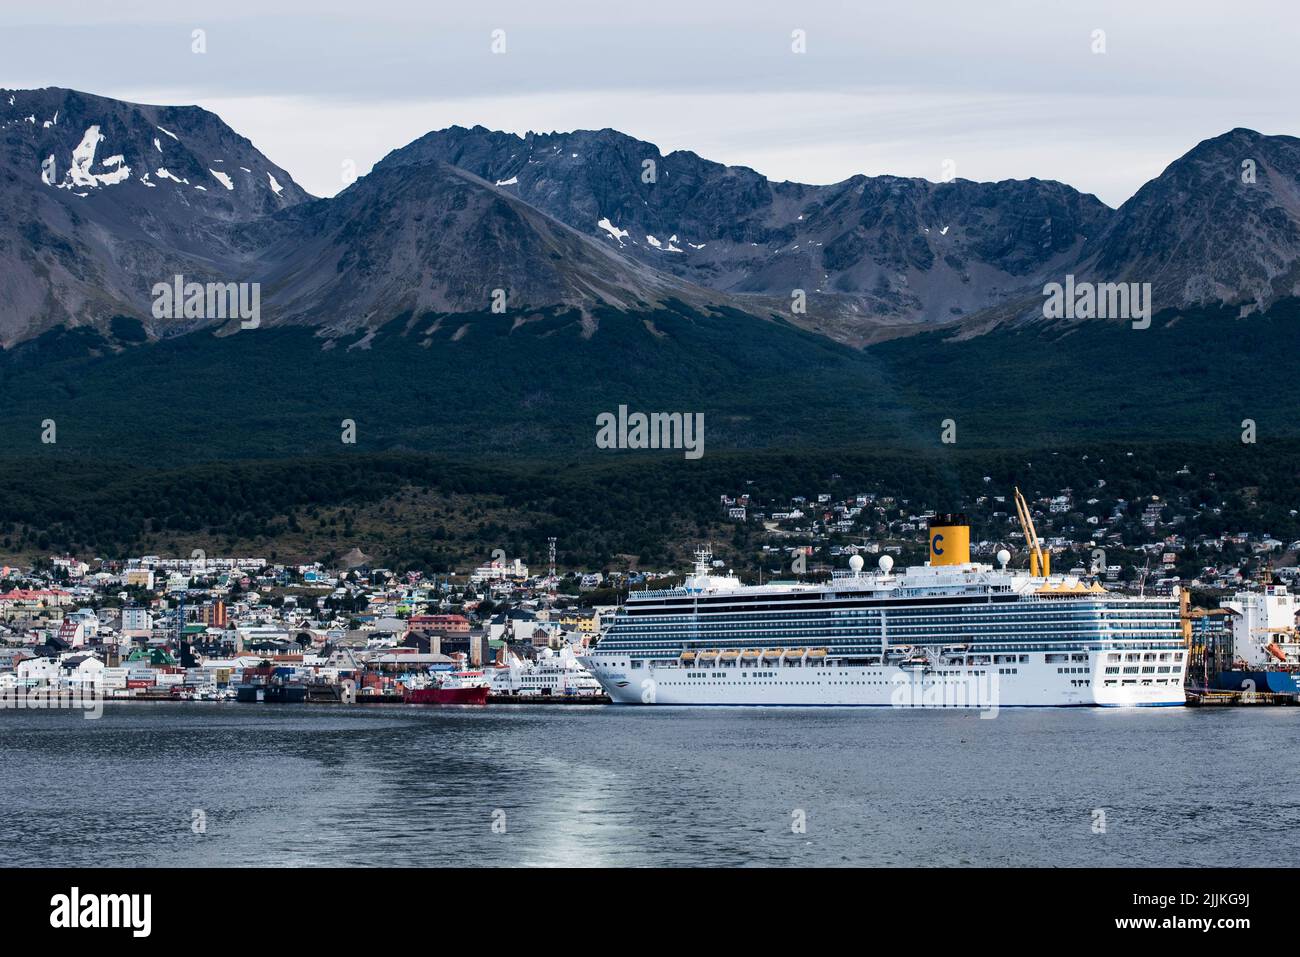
{"x":1040,"y":560}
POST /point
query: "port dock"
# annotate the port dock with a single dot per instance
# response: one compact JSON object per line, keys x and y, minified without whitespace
{"x":1213,"y":698}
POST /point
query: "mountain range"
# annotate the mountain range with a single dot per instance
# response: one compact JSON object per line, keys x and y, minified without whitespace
{"x":103,"y":199}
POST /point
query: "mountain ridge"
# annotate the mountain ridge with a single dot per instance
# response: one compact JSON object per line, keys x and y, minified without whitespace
{"x":874,"y":248}
{"x":105,"y":198}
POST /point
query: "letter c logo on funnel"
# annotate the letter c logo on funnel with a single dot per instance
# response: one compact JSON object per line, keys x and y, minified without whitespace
{"x":934,"y":544}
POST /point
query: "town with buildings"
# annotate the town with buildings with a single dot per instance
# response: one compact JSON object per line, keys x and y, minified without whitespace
{"x":200,"y":629}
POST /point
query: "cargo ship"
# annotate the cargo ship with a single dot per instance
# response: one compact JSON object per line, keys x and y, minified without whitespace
{"x":949,"y":633}
{"x":1261,"y":652}
{"x":451,"y":687}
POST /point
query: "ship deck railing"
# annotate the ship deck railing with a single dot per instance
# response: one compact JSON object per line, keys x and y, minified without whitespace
{"x":658,"y":593}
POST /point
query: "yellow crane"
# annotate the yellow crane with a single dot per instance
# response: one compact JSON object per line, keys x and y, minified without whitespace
{"x":1040,"y":560}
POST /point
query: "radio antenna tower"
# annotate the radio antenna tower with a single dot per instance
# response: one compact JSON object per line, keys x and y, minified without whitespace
{"x":178,"y":627}
{"x":550,"y":551}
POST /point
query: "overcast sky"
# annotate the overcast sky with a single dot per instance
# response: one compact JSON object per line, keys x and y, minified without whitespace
{"x":1004,"y":89}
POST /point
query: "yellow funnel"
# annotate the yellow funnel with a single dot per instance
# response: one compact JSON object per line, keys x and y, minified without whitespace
{"x":949,"y":540}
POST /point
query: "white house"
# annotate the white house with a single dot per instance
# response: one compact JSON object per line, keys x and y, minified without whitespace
{"x":81,"y":671}
{"x":37,"y":672}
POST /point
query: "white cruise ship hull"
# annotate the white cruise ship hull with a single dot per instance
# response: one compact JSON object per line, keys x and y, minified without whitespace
{"x":1028,"y":685}
{"x":946,"y":635}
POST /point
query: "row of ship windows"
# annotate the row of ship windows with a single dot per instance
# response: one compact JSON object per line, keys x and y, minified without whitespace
{"x":873,"y":621}
{"x":767,"y":624}
{"x":1077,"y":682}
{"x":1111,"y":683}
{"x":997,"y":659}
{"x":1021,"y":658}
{"x":694,"y":673}
{"x":771,"y":679}
{"x":995,"y":608}
{"x":1091,"y":624}
{"x":894,"y":634}
{"x":901,"y":623}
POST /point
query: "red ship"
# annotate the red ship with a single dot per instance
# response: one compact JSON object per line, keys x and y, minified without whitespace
{"x":459,"y":687}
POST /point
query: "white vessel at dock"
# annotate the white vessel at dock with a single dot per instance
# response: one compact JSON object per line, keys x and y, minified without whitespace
{"x":950,"y":633}
{"x":551,"y":675}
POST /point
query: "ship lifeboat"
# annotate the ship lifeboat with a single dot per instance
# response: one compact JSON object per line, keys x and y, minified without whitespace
{"x":749,"y":654}
{"x":688,"y":656}
{"x":793,"y":653}
{"x":709,"y":654}
{"x":816,"y":652}
{"x":773,"y":654}
{"x":729,"y":655}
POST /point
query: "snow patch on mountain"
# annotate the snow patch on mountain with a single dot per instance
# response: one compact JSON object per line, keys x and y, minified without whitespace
{"x":619,"y":234}
{"x":275,"y":187}
{"x":670,"y":248}
{"x":222,"y":178}
{"x":83,"y":160}
{"x":48,"y":172}
{"x":171,"y":134}
{"x":512,"y":181}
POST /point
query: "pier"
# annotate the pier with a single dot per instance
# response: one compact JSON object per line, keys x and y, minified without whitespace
{"x":548,"y":699}
{"x":1207,"y":698}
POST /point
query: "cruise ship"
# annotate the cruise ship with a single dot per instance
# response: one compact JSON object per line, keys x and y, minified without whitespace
{"x":949,"y":633}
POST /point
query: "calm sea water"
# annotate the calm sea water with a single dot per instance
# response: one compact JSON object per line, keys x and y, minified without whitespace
{"x":310,"y":785}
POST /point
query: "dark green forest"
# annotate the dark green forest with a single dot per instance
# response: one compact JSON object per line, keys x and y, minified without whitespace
{"x":473,"y":432}
{"x":419,"y":511}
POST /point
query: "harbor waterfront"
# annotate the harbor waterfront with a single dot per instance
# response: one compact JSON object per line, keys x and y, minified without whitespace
{"x":590,"y":785}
